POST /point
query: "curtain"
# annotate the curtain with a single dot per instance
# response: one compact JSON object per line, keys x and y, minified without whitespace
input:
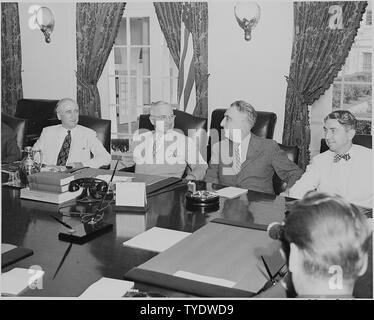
{"x":11,"y":58}
{"x":318,"y":53}
{"x":169,"y":17}
{"x":195,"y":17}
{"x":97,"y":27}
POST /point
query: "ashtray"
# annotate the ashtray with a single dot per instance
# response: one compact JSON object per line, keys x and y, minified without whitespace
{"x":202,"y":201}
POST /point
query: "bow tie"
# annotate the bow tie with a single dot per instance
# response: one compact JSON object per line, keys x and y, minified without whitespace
{"x":338,"y":157}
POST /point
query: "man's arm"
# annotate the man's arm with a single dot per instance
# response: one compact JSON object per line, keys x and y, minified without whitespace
{"x":212,"y":171}
{"x":287,"y":170}
{"x":101,"y":157}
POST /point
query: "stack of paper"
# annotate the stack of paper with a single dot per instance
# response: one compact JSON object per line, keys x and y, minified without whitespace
{"x":156,"y":239}
{"x":18,"y":280}
{"x":107,"y":288}
{"x":231,"y":192}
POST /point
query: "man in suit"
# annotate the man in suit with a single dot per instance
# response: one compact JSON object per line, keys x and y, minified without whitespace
{"x":167,"y":151}
{"x":70,"y":144}
{"x":245,"y":160}
{"x":345,"y":169}
{"x":9,"y":148}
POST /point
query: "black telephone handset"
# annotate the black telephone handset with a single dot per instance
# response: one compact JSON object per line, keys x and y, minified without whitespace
{"x":96,"y":188}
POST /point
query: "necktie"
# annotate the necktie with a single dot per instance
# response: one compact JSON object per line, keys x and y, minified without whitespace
{"x":237,"y":158}
{"x":156,"y":143}
{"x":64,"y":152}
{"x":338,"y":157}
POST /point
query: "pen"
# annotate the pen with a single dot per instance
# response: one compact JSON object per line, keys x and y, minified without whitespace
{"x":63,"y":223}
{"x":268,"y":270}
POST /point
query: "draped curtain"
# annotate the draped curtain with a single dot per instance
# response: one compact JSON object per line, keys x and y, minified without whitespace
{"x":97,"y":27}
{"x":11,"y":58}
{"x":195,"y":17}
{"x":318,"y":54}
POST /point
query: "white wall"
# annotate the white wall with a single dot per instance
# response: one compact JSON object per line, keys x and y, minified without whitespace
{"x":48,"y":68}
{"x":252,"y":71}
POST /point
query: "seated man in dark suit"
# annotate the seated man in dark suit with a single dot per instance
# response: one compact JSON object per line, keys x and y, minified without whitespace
{"x":254,"y":160}
{"x":9,"y":148}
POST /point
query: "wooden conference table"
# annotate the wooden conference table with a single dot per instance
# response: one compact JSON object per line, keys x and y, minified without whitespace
{"x":27,"y":224}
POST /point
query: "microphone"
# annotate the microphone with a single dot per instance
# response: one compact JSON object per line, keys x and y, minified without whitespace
{"x":275,"y":230}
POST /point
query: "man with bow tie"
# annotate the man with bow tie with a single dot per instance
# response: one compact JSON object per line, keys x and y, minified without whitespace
{"x":344,"y":169}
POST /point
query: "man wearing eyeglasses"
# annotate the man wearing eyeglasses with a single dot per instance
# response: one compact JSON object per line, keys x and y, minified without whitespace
{"x":166,"y":151}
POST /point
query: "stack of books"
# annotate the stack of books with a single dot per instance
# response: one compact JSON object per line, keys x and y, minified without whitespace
{"x":50,"y":187}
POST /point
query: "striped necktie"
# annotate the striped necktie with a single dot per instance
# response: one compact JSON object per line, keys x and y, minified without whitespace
{"x":64,"y":151}
{"x":237,"y":163}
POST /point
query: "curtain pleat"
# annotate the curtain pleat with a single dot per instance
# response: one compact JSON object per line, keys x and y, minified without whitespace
{"x":96,"y":31}
{"x":318,"y":54}
{"x":11,"y":58}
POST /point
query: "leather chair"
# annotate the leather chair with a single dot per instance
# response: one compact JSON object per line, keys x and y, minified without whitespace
{"x":264,"y":126}
{"x":18,"y":125}
{"x":37,"y":112}
{"x":360,"y":139}
{"x":183,"y":121}
{"x":292,"y":154}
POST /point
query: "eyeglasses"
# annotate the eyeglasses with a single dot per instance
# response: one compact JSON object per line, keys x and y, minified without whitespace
{"x":163,"y":118}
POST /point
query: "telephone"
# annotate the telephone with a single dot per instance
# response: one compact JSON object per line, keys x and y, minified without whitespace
{"x":94,"y":189}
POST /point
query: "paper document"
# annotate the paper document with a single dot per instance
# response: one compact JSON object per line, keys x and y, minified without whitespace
{"x":131,"y":194}
{"x":107,"y":288}
{"x":205,"y":279}
{"x":106,"y":177}
{"x":5,"y":247}
{"x":17,"y":280}
{"x":231,"y":192}
{"x":156,"y":239}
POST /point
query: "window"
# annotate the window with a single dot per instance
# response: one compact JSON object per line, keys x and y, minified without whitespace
{"x":352,"y":87}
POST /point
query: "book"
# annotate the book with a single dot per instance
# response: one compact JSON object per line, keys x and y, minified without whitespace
{"x":52,"y":178}
{"x":11,"y":254}
{"x":48,"y":187}
{"x":51,"y":197}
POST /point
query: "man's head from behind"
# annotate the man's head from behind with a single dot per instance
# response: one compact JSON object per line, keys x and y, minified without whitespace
{"x":340,"y":128}
{"x":238,"y":120}
{"x":162,"y":116}
{"x":327,"y":241}
{"x":68,"y":112}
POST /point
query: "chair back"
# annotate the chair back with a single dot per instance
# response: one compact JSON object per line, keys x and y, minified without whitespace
{"x":292,"y":154}
{"x":360,"y":139}
{"x":18,"y":125}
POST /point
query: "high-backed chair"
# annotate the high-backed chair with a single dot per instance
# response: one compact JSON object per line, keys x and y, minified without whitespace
{"x":292,"y":154}
{"x":360,"y":139}
{"x":18,"y":125}
{"x":264,"y":126}
{"x":37,"y":112}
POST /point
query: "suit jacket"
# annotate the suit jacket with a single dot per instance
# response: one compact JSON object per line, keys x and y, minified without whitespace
{"x":264,"y":157}
{"x":9,"y":148}
{"x":84,"y":142}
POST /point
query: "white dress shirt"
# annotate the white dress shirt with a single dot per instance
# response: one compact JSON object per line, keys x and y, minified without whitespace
{"x":173,"y":151}
{"x":84,"y":141}
{"x":350,"y":179}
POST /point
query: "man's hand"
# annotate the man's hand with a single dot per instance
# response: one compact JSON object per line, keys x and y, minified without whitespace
{"x":75,"y":165}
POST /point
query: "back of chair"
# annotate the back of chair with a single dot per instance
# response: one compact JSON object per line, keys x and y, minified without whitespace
{"x":360,"y":139}
{"x":18,"y":125}
{"x":292,"y":154}
{"x":101,"y":126}
{"x":37,"y":112}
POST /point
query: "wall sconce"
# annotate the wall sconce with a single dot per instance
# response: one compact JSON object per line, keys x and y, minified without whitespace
{"x":247,"y":15}
{"x":45,"y":20}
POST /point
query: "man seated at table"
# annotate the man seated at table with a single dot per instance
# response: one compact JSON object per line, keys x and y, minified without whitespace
{"x":166,"y":151}
{"x":9,"y":148}
{"x":254,"y":160}
{"x":70,"y":144}
{"x":326,"y":243}
{"x":344,"y":169}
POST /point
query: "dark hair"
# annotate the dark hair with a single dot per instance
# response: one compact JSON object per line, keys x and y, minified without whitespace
{"x":344,"y":117}
{"x":330,"y":231}
{"x":246,"y":108}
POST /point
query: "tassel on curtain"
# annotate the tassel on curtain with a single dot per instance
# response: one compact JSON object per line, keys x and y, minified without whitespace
{"x":318,"y":54}
{"x":11,"y":58}
{"x":97,"y":27}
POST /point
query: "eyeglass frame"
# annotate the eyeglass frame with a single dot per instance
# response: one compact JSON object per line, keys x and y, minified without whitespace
{"x":162,"y":118}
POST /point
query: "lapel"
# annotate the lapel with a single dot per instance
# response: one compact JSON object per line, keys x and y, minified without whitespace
{"x":253,"y":152}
